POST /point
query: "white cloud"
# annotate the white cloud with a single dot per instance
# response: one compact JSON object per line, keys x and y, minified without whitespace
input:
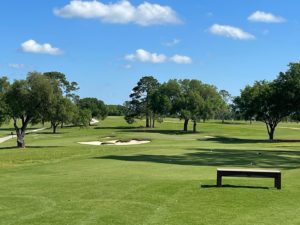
{"x":122,"y":12}
{"x":144,"y":56}
{"x":172,"y":43}
{"x":265,"y":17}
{"x":16,"y":66}
{"x":34,"y":47}
{"x":181,"y":59}
{"x":230,"y":32}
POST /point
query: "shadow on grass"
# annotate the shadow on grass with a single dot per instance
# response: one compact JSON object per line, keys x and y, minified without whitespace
{"x":117,"y":127}
{"x":221,"y":157}
{"x":157,"y":131}
{"x":48,"y":132}
{"x":28,"y":147}
{"x":227,"y":140}
{"x":233,"y":186}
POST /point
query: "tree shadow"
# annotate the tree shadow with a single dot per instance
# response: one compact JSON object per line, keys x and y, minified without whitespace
{"x":48,"y":132}
{"x":117,"y":127}
{"x":221,"y":157}
{"x":233,"y":186}
{"x":229,"y":140}
{"x":158,"y":131}
{"x":230,"y":122}
{"x":27,"y":147}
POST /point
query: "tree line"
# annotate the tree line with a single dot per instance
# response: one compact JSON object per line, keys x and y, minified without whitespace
{"x":45,"y":97}
{"x":50,"y":97}
{"x":188,"y":100}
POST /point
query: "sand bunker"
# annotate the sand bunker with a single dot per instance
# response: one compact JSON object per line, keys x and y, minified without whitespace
{"x":114,"y":142}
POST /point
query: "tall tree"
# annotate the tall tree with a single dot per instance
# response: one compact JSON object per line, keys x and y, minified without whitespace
{"x":27,"y":102}
{"x":140,"y":105}
{"x":160,"y":105}
{"x":58,"y":79}
{"x":61,"y":108}
{"x":224,"y":105}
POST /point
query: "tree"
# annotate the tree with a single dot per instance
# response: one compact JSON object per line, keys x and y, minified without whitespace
{"x":262,"y":101}
{"x":160,"y":105}
{"x":96,"y":107}
{"x":61,"y":108}
{"x":82,"y":117}
{"x":4,"y":86}
{"x":27,"y":102}
{"x":289,"y":83}
{"x":223,"y":111}
{"x":61,"y":111}
{"x":59,"y":80}
{"x":191,"y":100}
{"x":140,"y":106}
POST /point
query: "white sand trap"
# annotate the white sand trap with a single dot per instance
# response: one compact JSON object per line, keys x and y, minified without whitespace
{"x":114,"y":142}
{"x":94,"y":121}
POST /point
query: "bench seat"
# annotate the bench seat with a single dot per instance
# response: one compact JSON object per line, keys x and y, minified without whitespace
{"x":258,"y":173}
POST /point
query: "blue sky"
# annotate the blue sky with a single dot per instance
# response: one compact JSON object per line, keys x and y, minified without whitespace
{"x":106,"y":46}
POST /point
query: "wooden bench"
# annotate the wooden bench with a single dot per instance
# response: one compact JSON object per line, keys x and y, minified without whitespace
{"x":276,"y":174}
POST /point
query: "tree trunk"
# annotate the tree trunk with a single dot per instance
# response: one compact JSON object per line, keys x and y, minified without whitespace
{"x":195,"y":127}
{"x":20,"y":138}
{"x":271,"y":134}
{"x":153,"y":123}
{"x":20,"y":132}
{"x":185,"y":126}
{"x":62,"y":125}
{"x":54,"y":128}
{"x":150,"y":121}
{"x":147,"y":121}
{"x":271,"y":130}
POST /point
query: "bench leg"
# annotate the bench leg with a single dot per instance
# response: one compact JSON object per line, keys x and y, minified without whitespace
{"x":219,"y":180}
{"x":277,"y":182}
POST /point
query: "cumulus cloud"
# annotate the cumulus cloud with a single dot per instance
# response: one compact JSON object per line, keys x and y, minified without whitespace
{"x":181,"y":59}
{"x":16,"y":66}
{"x":265,"y":17}
{"x":121,"y":12}
{"x":32,"y":46}
{"x":230,"y":32}
{"x":144,"y":56}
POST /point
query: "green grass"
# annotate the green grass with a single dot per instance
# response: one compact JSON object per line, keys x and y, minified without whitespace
{"x":168,"y":181}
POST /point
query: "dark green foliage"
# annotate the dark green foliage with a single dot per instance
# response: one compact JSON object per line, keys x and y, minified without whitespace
{"x":191,"y":100}
{"x":115,"y":110}
{"x":62,"y":109}
{"x":28,"y":101}
{"x":140,"y":104}
{"x":96,"y":107}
